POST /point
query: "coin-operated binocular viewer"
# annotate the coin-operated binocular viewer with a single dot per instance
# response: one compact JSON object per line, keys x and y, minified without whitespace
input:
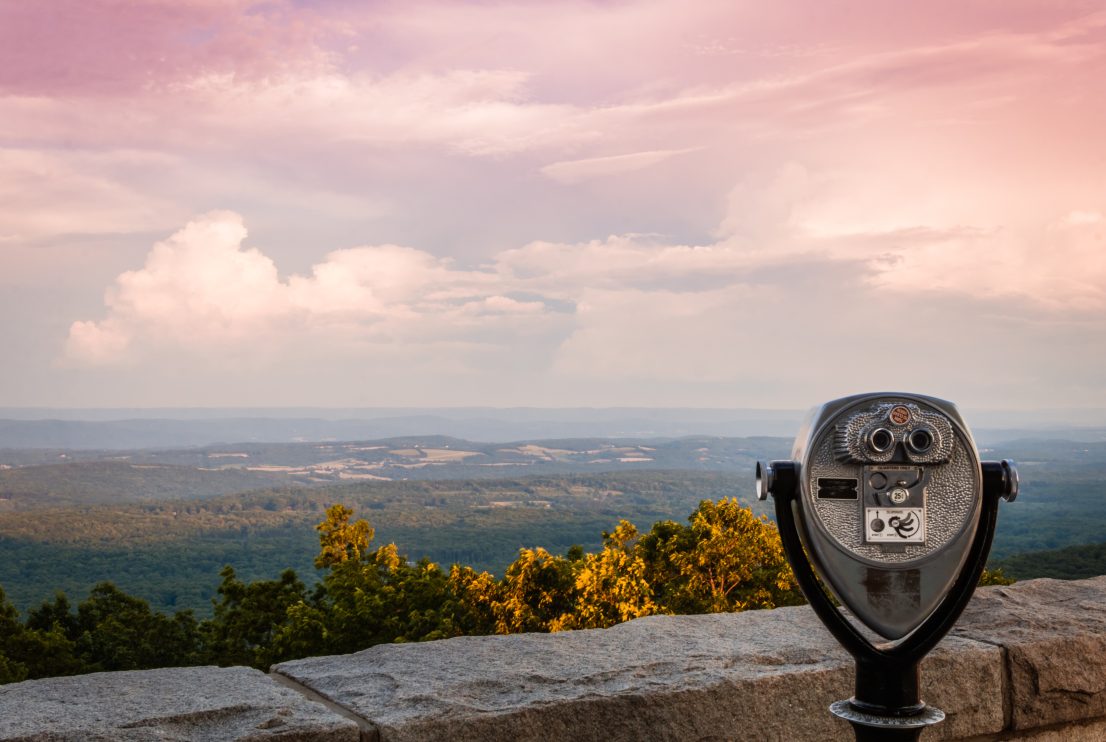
{"x":885,"y":499}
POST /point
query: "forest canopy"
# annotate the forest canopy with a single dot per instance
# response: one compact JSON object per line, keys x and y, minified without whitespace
{"x":724,"y":558}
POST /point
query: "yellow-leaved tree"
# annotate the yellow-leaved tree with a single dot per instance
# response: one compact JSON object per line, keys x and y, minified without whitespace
{"x":611,"y":585}
{"x":727,"y":560}
{"x":340,"y":540}
{"x":737,"y":561}
{"x":538,"y":589}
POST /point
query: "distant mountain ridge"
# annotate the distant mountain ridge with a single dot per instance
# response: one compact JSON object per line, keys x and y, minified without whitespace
{"x":115,"y":429}
{"x":134,"y":433}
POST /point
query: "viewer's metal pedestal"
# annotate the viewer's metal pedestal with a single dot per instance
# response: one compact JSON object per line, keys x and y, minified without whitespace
{"x":886,"y":705}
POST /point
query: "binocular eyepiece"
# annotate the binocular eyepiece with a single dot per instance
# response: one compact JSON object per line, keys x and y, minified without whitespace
{"x":917,"y":441}
{"x":888,"y":431}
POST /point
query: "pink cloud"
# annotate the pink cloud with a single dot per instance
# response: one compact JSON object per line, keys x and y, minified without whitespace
{"x":34,"y":183}
{"x":592,"y":181}
{"x":576,"y":171}
{"x":1061,"y":268}
{"x":113,"y":47}
{"x":250,"y":77}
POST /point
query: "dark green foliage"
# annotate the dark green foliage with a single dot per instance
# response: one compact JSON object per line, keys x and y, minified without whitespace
{"x":109,"y":631}
{"x":657,"y":548}
{"x":54,"y":615}
{"x":1062,"y":501}
{"x":173,"y":575}
{"x":116,"y":631}
{"x":34,"y":651}
{"x":247,"y":618}
{"x":1071,"y":563}
{"x":11,"y":638}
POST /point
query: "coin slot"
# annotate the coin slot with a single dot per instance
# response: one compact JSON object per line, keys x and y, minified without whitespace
{"x":837,"y":488}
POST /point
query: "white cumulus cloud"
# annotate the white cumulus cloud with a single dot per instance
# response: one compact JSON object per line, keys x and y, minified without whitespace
{"x":203,"y":292}
{"x":628,"y":307}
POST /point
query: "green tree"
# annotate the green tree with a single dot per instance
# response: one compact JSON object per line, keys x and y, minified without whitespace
{"x":658,"y":549}
{"x":418,"y":596}
{"x":11,"y":633}
{"x":35,"y":649}
{"x":56,"y":615}
{"x":11,"y":671}
{"x":247,"y":617}
{"x":48,"y":654}
{"x":367,"y":596}
{"x":117,"y":631}
{"x":303,"y":632}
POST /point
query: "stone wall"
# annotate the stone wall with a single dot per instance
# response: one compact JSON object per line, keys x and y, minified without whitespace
{"x":1025,"y":662}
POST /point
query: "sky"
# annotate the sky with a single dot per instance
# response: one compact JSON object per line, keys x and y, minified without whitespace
{"x":710,"y":204}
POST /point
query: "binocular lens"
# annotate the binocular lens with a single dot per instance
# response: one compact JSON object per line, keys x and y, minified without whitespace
{"x":881,"y":440}
{"x":920,"y":441}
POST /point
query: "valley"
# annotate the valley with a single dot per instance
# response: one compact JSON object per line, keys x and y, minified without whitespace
{"x":161,"y":523}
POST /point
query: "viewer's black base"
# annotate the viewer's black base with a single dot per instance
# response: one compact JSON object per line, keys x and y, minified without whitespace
{"x":869,"y":727}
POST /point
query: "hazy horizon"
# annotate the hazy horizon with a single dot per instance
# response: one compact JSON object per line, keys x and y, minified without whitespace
{"x":168,"y":428}
{"x":1092,"y":416}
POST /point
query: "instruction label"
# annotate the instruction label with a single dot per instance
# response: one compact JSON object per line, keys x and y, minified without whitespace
{"x":894,"y":525}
